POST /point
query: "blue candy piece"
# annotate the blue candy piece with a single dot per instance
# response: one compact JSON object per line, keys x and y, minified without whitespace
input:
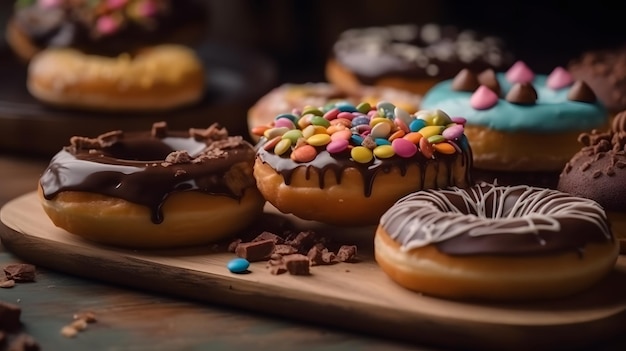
{"x":357,"y":121}
{"x":382,"y":141}
{"x":356,"y":139}
{"x":346,"y":107}
{"x":238,"y":265}
{"x":417,"y":124}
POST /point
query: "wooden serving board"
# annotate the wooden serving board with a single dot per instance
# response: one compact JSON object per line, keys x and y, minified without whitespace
{"x":353,"y":296}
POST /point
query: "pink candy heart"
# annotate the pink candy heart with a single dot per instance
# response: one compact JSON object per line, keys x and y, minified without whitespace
{"x":519,"y":73}
{"x":559,"y":78}
{"x":483,"y":98}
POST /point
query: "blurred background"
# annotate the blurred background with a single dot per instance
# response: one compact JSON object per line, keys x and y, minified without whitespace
{"x":288,"y":41}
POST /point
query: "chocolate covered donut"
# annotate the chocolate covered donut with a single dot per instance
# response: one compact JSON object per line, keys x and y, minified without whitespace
{"x":411,"y":57}
{"x":495,"y":242}
{"x":157,"y":188}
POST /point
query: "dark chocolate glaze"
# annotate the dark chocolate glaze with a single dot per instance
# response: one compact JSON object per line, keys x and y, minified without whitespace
{"x":412,"y":51}
{"x":73,"y":27}
{"x":134,"y":169}
{"x":583,"y":223}
{"x":337,"y":163}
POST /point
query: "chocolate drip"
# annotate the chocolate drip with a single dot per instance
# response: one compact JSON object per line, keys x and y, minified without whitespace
{"x":338,"y":163}
{"x":134,"y":168}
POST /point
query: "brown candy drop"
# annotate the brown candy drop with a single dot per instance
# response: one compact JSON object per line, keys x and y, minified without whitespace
{"x":522,"y":94}
{"x":465,"y":80}
{"x":488,"y":79}
{"x":581,"y":92}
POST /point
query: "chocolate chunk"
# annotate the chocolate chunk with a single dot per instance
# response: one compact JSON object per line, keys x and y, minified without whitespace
{"x":255,"y":251}
{"x":10,"y":316}
{"x":20,"y":272}
{"x":24,"y":342}
{"x":522,"y":94}
{"x":303,"y":241}
{"x":347,"y":253}
{"x":159,"y":129}
{"x":233,"y":245}
{"x":297,"y":264}
{"x":581,"y":92}
{"x":488,"y":79}
{"x":465,"y":80}
{"x":269,"y":236}
{"x":283,"y":249}
{"x":329,"y":257}
{"x":315,"y":255}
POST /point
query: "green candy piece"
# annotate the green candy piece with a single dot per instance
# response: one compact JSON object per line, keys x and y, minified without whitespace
{"x":313,"y":111}
{"x":320,"y":121}
{"x":293,"y":135}
{"x":363,"y":107}
{"x":435,"y":139}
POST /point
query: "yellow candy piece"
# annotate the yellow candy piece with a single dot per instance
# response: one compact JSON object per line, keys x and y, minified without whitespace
{"x":308,"y":131}
{"x":444,"y":148}
{"x":361,"y":154}
{"x":318,"y":139}
{"x":282,"y":146}
{"x":429,"y":131}
{"x":384,"y":151}
{"x":377,"y":120}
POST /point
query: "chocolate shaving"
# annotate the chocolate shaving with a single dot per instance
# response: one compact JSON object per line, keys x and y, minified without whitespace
{"x":522,"y":94}
{"x":177,"y":157}
{"x":581,"y":92}
{"x":465,"y":80}
{"x":7,"y":284}
{"x":159,"y":129}
{"x":109,"y":138}
{"x":213,"y":132}
{"x":618,"y":125}
{"x":20,"y":272}
{"x":255,"y":251}
{"x":347,"y":253}
{"x":596,"y":174}
{"x":82,"y":143}
{"x":233,"y":245}
{"x":488,"y":79}
{"x":279,"y":269}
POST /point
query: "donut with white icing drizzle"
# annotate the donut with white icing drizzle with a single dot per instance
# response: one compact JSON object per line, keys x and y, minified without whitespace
{"x":495,"y":242}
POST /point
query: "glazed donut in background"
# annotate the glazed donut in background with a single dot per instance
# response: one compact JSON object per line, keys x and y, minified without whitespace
{"x":492,"y":242}
{"x":518,"y":120}
{"x":598,"y":172}
{"x":288,"y":97}
{"x":102,"y":27}
{"x":410,"y":57}
{"x":346,"y":164}
{"x":153,"y":189}
{"x":157,"y":78}
{"x":605,"y":72}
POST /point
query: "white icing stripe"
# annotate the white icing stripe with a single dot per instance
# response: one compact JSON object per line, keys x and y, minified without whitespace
{"x":429,"y":216}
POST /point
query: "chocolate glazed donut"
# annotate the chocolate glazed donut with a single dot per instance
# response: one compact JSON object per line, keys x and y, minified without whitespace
{"x":153,"y":189}
{"x":495,"y":242}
